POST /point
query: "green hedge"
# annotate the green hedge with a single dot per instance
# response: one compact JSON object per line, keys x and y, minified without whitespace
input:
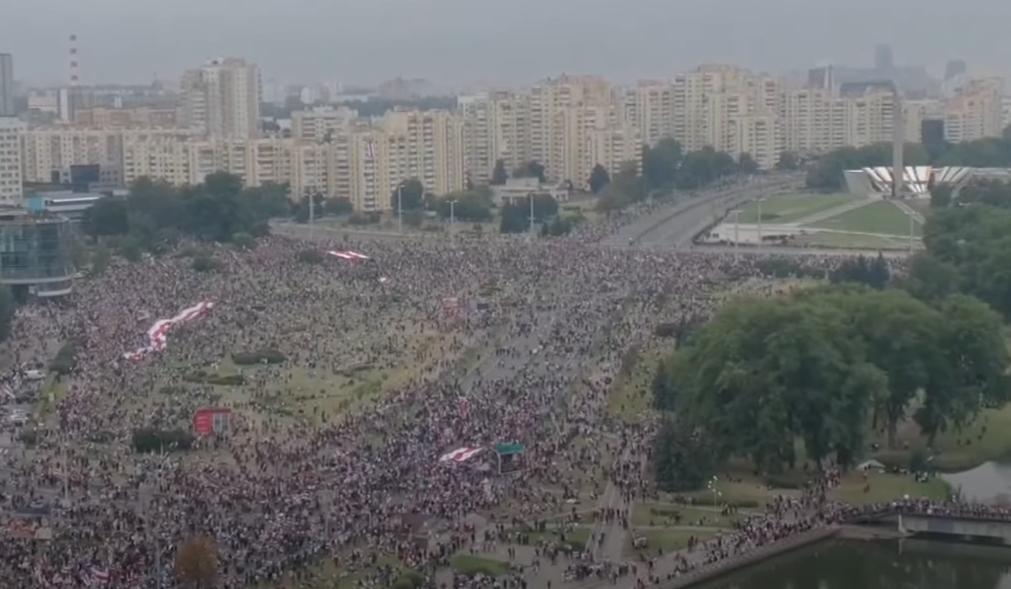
{"x":264,"y":356}
{"x":155,"y":440}
{"x":409,"y":580}
{"x":200,"y":376}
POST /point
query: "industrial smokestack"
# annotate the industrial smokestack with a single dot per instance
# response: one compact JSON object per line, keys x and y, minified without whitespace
{"x":898,"y":143}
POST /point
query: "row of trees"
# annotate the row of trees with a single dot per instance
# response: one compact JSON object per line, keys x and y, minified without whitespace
{"x":822,"y":365}
{"x":827,"y":173}
{"x":157,"y":213}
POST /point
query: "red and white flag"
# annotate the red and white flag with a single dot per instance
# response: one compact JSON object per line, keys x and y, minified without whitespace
{"x":157,"y":336}
{"x":96,"y":577}
{"x":460,"y":454}
{"x":348,"y":255}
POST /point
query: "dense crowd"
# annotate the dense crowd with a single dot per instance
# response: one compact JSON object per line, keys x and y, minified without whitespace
{"x":507,"y":341}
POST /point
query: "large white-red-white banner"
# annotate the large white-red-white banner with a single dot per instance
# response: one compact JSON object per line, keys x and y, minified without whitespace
{"x":157,"y":336}
{"x":348,"y":255}
{"x":460,"y":454}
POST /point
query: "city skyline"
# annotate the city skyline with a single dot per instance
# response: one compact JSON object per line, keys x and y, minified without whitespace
{"x":457,"y":44}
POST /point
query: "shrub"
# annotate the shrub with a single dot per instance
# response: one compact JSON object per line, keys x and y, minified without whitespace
{"x":155,"y":440}
{"x":309,"y":257}
{"x":665,"y":330}
{"x":409,"y":580}
{"x":200,"y":376}
{"x":364,"y":218}
{"x":264,"y":356}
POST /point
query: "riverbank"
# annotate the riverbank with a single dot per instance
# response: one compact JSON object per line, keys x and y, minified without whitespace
{"x":730,"y":565}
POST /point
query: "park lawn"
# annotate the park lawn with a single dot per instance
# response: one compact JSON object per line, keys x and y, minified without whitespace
{"x":667,"y":540}
{"x":739,"y":486}
{"x":576,"y":537}
{"x":468,"y":564}
{"x":50,"y":395}
{"x":886,"y":487}
{"x":788,"y":208}
{"x":662,"y":514}
{"x":987,"y":438}
{"x":854,"y":241}
{"x":630,"y":399}
{"x":878,"y":217}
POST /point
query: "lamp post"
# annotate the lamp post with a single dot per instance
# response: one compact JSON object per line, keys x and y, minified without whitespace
{"x":531,"y":234}
{"x":452,"y":219}
{"x":760,"y":201}
{"x":400,"y":207}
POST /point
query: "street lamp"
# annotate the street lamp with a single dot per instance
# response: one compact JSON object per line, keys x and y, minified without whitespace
{"x":531,"y":235}
{"x":760,"y":201}
{"x":400,"y":207}
{"x":452,"y":219}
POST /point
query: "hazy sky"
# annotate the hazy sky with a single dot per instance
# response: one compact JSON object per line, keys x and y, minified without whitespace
{"x":456,"y":42}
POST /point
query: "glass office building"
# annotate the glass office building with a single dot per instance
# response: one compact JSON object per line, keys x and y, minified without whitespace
{"x":35,"y":254}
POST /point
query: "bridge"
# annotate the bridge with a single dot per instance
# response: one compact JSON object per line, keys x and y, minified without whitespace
{"x":965,"y":524}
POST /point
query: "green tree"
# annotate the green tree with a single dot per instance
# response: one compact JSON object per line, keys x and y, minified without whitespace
{"x":660,"y":164}
{"x":471,"y":205}
{"x":930,"y":279}
{"x":701,"y":168}
{"x":684,"y":458}
{"x":531,"y":169}
{"x":972,"y":372}
{"x":940,"y":196}
{"x":337,"y":206}
{"x":827,"y":172}
{"x":108,"y":216}
{"x":787,"y":161}
{"x":515,"y":218}
{"x":7,"y":308}
{"x":499,"y":174}
{"x":410,"y":194}
{"x":747,"y":164}
{"x":599,"y":178}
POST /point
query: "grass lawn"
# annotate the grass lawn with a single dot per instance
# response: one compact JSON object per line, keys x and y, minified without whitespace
{"x":668,"y":540}
{"x":854,"y":241}
{"x":740,"y":486}
{"x":788,"y":208}
{"x":986,"y":438}
{"x":886,"y":487}
{"x":877,"y":217}
{"x":472,"y":565}
{"x":630,"y":399}
{"x":665,"y":514}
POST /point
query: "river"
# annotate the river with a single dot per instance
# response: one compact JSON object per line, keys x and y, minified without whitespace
{"x":899,"y":564}
{"x":988,"y":482}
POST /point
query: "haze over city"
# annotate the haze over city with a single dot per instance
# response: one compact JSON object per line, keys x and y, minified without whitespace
{"x":505,"y":294}
{"x":460,"y":42}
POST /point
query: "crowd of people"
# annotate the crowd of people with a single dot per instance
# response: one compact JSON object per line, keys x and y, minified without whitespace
{"x":524,"y":354}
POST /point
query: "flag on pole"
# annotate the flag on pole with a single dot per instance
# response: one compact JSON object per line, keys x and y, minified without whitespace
{"x":460,"y":454}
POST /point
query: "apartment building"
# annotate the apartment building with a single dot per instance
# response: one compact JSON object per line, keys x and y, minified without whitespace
{"x":10,"y":161}
{"x":114,"y":118}
{"x":321,"y":124}
{"x":222,"y":99}
{"x":975,"y":111}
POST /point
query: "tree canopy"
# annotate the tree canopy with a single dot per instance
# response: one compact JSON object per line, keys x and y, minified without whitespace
{"x":499,"y":175}
{"x":660,"y":164}
{"x":155,"y":212}
{"x":7,"y":308}
{"x":599,"y":178}
{"x":531,"y":169}
{"x":827,"y":172}
{"x":471,"y":205}
{"x":408,"y":195}
{"x":821,"y":365}
{"x":703,"y":167}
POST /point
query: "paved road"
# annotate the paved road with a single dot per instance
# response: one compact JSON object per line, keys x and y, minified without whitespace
{"x":677,"y":224}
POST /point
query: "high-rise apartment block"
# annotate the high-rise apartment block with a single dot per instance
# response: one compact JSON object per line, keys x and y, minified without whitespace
{"x":6,"y":85}
{"x":975,"y":111}
{"x":222,"y":99}
{"x":10,"y":161}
